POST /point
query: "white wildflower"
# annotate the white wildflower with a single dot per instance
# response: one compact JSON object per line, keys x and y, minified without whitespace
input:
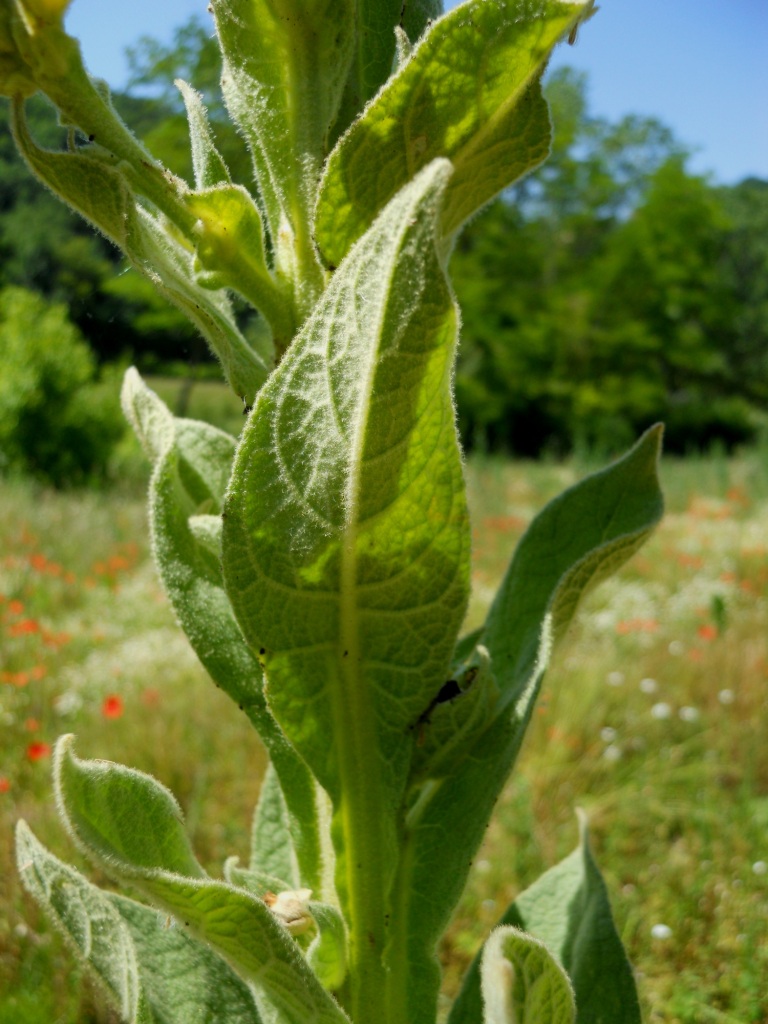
{"x":689,"y":714}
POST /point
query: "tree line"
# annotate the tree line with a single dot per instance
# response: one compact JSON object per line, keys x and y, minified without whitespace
{"x":609,"y":289}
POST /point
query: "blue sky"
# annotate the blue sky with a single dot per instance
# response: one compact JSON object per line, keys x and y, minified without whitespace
{"x":700,"y":66}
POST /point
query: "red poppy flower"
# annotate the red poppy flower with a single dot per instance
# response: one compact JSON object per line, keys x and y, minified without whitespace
{"x":117,"y":563}
{"x":112,"y":706}
{"x":15,"y":678}
{"x":38,"y":750}
{"x":636,"y":626}
{"x":25,"y":626}
{"x":707,"y":631}
{"x":5,"y":784}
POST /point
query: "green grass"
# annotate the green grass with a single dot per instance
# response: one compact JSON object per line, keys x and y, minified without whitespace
{"x":653,"y":719}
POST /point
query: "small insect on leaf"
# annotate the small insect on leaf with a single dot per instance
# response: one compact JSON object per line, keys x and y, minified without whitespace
{"x":448,"y":691}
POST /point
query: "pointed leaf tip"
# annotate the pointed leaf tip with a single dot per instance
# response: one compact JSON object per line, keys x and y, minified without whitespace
{"x":581,"y":537}
{"x":123,"y":818}
{"x":568,"y":909}
{"x":522,"y":983}
{"x":149,"y":416}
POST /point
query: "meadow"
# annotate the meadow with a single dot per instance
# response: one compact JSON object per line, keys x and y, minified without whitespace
{"x":654,"y":720}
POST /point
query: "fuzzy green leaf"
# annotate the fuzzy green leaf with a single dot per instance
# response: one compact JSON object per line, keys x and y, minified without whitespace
{"x":102,"y":193}
{"x":171,"y":269}
{"x":230,"y":248}
{"x":16,"y":78}
{"x":192,"y":463}
{"x":345,"y":570}
{"x":271,"y":844}
{"x":374,"y":51}
{"x":98,"y":191}
{"x":568,"y":910}
{"x":255,"y":881}
{"x":120,"y":816}
{"x":580,"y":537}
{"x":443,"y":830}
{"x":327,"y":953}
{"x":244,"y":931}
{"x":131,"y":826}
{"x":89,"y":922}
{"x":522,"y":983}
{"x":152,"y":421}
{"x":185,"y":981}
{"x":152,"y":973}
{"x":470,"y":92}
{"x":285,"y":63}
{"x":208,"y":164}
{"x":206,"y":531}
{"x":55,"y":64}
{"x":375,"y":47}
{"x":445,"y":731}
{"x":346,"y":534}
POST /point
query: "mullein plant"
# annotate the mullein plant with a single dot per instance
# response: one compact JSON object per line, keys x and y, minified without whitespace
{"x":320,"y":565}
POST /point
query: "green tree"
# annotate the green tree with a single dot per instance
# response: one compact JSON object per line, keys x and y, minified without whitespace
{"x":526,"y":339}
{"x":632,"y":291}
{"x":666,"y":309}
{"x":57,"y":422}
{"x":746,"y":266}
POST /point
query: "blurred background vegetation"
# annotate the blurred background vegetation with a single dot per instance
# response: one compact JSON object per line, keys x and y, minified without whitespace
{"x":609,"y":289}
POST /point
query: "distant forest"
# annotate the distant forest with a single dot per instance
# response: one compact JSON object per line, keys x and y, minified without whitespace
{"x":609,"y":289}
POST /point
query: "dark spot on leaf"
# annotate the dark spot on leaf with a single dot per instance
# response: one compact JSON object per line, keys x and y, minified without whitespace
{"x":448,"y":691}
